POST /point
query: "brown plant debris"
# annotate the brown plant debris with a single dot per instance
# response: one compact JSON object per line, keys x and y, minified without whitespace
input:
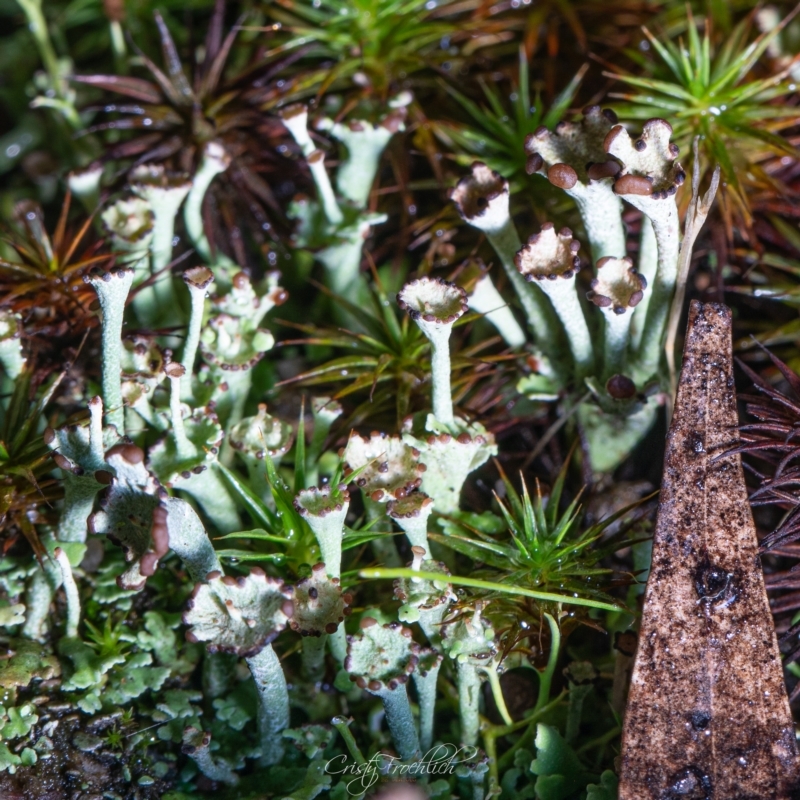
{"x":707,"y":716}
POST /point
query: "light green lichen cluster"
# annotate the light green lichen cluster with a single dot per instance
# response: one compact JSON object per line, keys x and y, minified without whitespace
{"x":614,"y":352}
{"x":336,"y":224}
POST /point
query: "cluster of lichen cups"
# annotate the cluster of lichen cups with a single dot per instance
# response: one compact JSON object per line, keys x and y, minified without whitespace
{"x":155,"y":500}
{"x":618,"y":354}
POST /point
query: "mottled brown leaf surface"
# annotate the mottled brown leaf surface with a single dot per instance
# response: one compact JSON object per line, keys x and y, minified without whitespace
{"x":707,"y":715}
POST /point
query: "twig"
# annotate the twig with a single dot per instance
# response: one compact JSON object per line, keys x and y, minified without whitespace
{"x":696,"y":214}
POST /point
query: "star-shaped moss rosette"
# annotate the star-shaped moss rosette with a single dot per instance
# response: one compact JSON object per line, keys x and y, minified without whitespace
{"x":128,"y":515}
{"x":390,"y":468}
{"x":325,"y":510}
{"x":435,"y":305}
{"x":142,"y":372}
{"x":244,"y":615}
{"x":320,"y":607}
{"x":649,"y":180}
{"x":573,"y":158}
{"x":469,"y":640}
{"x":412,"y":513}
{"x":617,"y":289}
{"x":551,"y":259}
{"x":380,"y":660}
{"x":448,"y":459}
{"x":187,"y":457}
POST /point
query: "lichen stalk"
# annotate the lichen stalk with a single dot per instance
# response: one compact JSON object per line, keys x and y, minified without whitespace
{"x":666,"y":228}
{"x":112,"y":291}
{"x":647,"y":265}
{"x":565,"y":301}
{"x":338,"y":644}
{"x":601,"y":214}
{"x":273,"y":712}
{"x":71,"y":592}
{"x":506,"y":242}
{"x":401,"y":721}
{"x":38,"y":597}
{"x":214,"y":162}
{"x":482,"y":199}
{"x":486,"y":300}
{"x":342,"y":259}
{"x":313,"y":655}
{"x":164,"y":193}
{"x":364,"y":143}
{"x":209,"y":490}
{"x":325,"y":516}
{"x":85,"y":185}
{"x":440,"y":377}
{"x":469,"y":695}
{"x":184,"y":449}
{"x":196,"y":746}
{"x":11,"y":355}
{"x":327,"y":197}
{"x":435,"y":305}
{"x":426,"y":694}
{"x":197,"y":281}
{"x":189,"y":541}
{"x":78,"y":503}
{"x":616,"y":340}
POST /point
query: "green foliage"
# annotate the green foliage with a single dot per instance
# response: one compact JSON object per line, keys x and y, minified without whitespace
{"x":496,"y":132}
{"x":560,"y":772}
{"x":387,"y":366}
{"x":385,"y":40}
{"x":546,"y":550}
{"x":30,"y":660}
{"x":709,"y":88}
